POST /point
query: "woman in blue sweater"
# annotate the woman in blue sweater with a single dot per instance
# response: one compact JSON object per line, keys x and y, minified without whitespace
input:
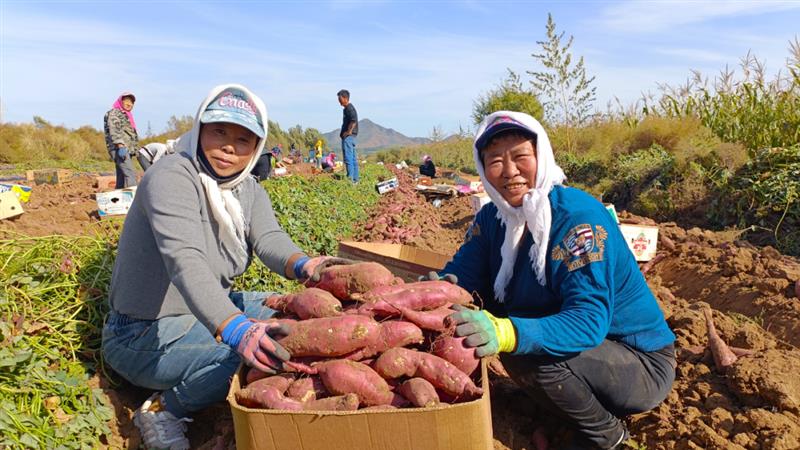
{"x":565,"y":304}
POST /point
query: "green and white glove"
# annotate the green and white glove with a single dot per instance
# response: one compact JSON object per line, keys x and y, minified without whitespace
{"x":489,"y":335}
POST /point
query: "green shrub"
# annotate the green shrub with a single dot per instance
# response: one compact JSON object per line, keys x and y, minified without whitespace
{"x":763,"y":194}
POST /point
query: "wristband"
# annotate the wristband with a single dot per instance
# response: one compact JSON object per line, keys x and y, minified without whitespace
{"x":233,"y":331}
{"x":298,"y":267}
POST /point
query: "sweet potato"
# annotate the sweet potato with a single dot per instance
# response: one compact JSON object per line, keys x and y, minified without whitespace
{"x":428,"y":320}
{"x":424,"y":295}
{"x":345,"y":280}
{"x":281,"y":381}
{"x":399,"y":362}
{"x":393,"y":333}
{"x":306,"y":389}
{"x":330,"y":336}
{"x":268,"y":393}
{"x":346,"y":402}
{"x":342,"y":376}
{"x":723,"y":356}
{"x":306,"y":304}
{"x":453,"y":350}
{"x":419,"y":392}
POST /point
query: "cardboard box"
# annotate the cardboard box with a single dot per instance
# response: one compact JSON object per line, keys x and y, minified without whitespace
{"x":51,"y":176}
{"x":23,"y":193}
{"x":402,"y":260}
{"x":386,"y":186}
{"x":105,"y":182}
{"x":463,"y":426}
{"x":115,"y":202}
{"x":641,"y":239}
{"x":9,"y":205}
{"x":478,"y":200}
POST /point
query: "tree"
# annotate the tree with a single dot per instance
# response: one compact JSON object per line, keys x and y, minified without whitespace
{"x":508,"y":96}
{"x":568,"y":91}
{"x":437,"y":134}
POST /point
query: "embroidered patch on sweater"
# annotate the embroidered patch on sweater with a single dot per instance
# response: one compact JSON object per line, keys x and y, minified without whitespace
{"x":582,"y":245}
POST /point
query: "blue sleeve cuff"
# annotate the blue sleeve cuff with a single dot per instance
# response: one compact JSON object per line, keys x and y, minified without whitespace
{"x":529,"y":336}
{"x":298,"y":267}
{"x":234,"y":331}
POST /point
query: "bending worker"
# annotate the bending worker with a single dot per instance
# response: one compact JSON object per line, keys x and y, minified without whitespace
{"x":175,"y":326}
{"x":566,"y":306}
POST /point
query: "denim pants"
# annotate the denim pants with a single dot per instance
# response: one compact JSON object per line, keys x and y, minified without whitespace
{"x":177,"y":355}
{"x":591,"y":390}
{"x":350,"y":157}
{"x":126,"y":175}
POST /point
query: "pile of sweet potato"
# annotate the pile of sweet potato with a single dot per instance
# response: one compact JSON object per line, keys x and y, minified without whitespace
{"x":362,"y":338}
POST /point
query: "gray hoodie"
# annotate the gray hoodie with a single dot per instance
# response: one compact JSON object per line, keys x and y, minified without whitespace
{"x":171,"y":259}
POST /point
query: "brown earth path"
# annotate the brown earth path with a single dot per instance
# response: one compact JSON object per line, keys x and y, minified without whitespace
{"x":754,"y":404}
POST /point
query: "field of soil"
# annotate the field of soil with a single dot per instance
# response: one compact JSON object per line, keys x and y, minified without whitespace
{"x":752,"y":293}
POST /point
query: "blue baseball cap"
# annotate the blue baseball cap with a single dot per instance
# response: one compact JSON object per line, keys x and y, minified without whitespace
{"x":234,"y":106}
{"x":501,"y":123}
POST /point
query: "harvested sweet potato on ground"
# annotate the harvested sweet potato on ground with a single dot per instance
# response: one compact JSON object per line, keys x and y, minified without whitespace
{"x":307,"y":304}
{"x":330,"y":336}
{"x":723,"y":356}
{"x":403,"y":362}
{"x":452,"y":349}
{"x":420,"y":296}
{"x":342,"y":376}
{"x":345,"y":280}
{"x":419,"y":392}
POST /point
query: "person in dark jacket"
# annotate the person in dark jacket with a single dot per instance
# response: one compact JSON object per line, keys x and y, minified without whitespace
{"x":263,"y":167}
{"x":566,"y":307}
{"x":427,"y":168}
{"x":122,"y":139}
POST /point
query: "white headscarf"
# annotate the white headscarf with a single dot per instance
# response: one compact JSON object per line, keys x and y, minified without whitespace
{"x":535,"y":209}
{"x":225,"y":207}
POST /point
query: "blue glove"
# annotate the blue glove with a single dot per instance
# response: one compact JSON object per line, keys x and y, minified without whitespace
{"x":122,"y":152}
{"x":433,"y":276}
{"x":254,"y":342}
{"x":488,"y":334}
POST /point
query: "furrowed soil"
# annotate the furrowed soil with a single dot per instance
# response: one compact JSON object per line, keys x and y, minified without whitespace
{"x":753,"y":404}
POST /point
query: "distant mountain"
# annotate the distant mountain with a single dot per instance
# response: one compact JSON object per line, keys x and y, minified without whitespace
{"x":373,"y":137}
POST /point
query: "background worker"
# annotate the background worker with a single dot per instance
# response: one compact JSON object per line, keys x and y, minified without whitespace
{"x":174,"y":325}
{"x":263,"y":167}
{"x":566,"y":306}
{"x":152,"y":152}
{"x":329,"y":162}
{"x":348,"y":134}
{"x":122,"y":140}
{"x":427,"y":168}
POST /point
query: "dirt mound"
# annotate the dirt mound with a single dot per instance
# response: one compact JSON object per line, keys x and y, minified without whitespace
{"x":68,"y":209}
{"x":403,"y":216}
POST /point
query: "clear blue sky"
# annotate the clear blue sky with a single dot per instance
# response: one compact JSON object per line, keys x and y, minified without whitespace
{"x":410,"y":65}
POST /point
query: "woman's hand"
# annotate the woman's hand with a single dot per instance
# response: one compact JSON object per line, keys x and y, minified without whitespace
{"x":254,"y":342}
{"x":489,"y":335}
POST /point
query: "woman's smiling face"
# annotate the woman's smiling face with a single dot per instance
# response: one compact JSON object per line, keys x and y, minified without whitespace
{"x":509,"y":162}
{"x":227,"y":147}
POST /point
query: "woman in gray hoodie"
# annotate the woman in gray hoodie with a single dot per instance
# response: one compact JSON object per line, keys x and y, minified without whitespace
{"x":197,"y":219}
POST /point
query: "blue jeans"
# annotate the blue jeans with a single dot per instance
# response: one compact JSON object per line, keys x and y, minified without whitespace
{"x":350,"y":157}
{"x":177,"y":355}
